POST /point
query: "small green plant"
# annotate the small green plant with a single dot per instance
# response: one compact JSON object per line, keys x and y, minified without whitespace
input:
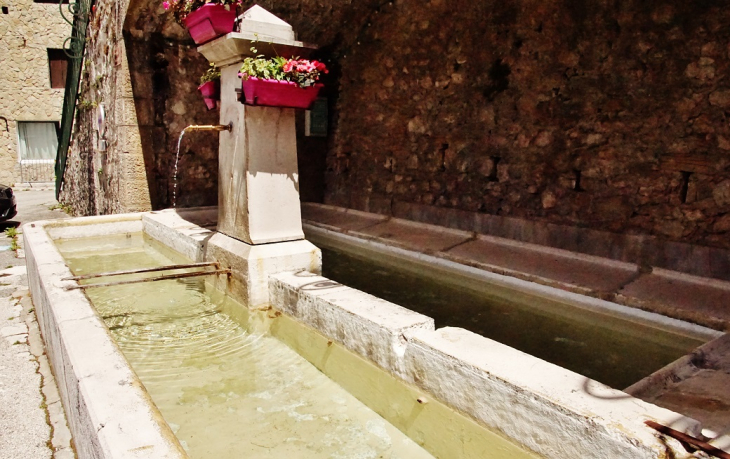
{"x":12,"y":233}
{"x":212,"y":74}
{"x":87,"y":104}
{"x":63,"y":207}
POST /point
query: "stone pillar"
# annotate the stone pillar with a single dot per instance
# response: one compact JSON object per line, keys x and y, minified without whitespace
{"x":258,"y":179}
{"x":259,"y":214}
{"x":258,"y":191}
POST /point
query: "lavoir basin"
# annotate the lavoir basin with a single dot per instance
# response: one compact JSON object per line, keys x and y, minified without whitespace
{"x":225,"y":392}
{"x":603,"y":344}
{"x":324,"y":370}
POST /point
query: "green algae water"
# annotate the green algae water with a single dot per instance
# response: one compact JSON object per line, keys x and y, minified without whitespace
{"x":225,"y":392}
{"x":612,"y":350}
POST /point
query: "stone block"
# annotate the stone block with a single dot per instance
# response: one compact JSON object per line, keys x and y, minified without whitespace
{"x":252,"y":265}
{"x":369,"y":326}
{"x":550,"y":410}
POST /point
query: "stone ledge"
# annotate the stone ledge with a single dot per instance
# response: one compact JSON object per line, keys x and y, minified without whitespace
{"x":371,"y":327}
{"x":552,"y":411}
{"x":548,"y":409}
{"x":109,"y":413}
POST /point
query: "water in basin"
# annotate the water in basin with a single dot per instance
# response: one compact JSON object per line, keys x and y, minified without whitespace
{"x":225,"y":392}
{"x":612,"y":350}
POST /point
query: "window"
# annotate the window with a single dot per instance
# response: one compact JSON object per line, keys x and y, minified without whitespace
{"x":37,"y":141}
{"x":57,"y":67}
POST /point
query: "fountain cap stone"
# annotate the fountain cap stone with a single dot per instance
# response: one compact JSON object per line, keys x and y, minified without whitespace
{"x":259,"y":29}
{"x":266,"y":25}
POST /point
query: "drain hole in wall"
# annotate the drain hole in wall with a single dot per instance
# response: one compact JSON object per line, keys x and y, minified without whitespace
{"x":576,"y":181}
{"x":493,"y":174}
{"x":684,"y":186}
{"x":5,"y":10}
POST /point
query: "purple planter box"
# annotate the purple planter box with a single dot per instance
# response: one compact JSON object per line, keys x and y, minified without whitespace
{"x":210,"y":21}
{"x":273,"y":93}
{"x":211,"y":93}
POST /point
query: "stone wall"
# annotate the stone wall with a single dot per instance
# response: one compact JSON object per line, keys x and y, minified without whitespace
{"x":26,"y":32}
{"x":144,"y":69}
{"x":604,"y":115}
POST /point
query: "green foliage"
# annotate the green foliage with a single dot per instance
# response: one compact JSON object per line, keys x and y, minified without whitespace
{"x":11,"y":232}
{"x":87,"y":104}
{"x":300,"y":71}
{"x":263,"y":68}
{"x":62,"y":206}
{"x":212,"y":74}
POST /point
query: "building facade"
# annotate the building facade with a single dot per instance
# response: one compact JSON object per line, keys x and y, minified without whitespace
{"x":33,"y":74}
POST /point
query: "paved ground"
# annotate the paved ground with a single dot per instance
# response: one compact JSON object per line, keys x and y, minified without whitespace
{"x":32,"y":422}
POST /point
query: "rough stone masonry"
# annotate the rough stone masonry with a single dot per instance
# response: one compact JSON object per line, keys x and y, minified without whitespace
{"x":608,"y":115}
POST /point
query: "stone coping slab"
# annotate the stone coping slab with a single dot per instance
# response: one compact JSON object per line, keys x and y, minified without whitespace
{"x":109,"y":412}
{"x":696,"y":384}
{"x":415,"y":236}
{"x":374,"y":328}
{"x":549,"y":410}
{"x":576,"y":272}
{"x":691,"y":298}
{"x":331,"y":217}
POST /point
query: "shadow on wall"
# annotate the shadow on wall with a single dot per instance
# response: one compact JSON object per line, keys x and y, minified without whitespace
{"x":164,"y":69}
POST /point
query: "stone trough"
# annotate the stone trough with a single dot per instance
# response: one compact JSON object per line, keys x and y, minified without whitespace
{"x":542,"y":407}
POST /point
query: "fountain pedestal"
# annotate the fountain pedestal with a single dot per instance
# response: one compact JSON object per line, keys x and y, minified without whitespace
{"x":258,"y":178}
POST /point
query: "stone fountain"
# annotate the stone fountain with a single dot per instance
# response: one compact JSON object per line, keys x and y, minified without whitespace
{"x":258,"y":181}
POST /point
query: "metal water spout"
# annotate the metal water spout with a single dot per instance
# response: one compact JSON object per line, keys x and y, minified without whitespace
{"x":194,"y":127}
{"x":208,"y":127}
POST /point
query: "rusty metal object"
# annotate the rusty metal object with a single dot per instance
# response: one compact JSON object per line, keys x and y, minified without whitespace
{"x":145,"y":270}
{"x":152,"y":279}
{"x":692,"y":441}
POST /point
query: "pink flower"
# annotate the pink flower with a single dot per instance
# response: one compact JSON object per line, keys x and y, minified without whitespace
{"x":166,"y":5}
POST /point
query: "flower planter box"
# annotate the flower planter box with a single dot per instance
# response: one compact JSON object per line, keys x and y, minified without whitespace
{"x":210,"y":21}
{"x":211,"y":93}
{"x":273,"y":93}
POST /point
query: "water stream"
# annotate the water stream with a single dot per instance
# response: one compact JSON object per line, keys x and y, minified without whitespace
{"x":192,"y":127}
{"x":174,"y":175}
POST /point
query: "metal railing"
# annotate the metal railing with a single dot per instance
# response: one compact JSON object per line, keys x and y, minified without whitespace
{"x":38,"y":170}
{"x":74,"y":48}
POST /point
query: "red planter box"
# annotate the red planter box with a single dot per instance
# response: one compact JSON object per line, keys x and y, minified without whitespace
{"x":210,"y":21}
{"x":211,"y":93}
{"x":273,"y":93}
